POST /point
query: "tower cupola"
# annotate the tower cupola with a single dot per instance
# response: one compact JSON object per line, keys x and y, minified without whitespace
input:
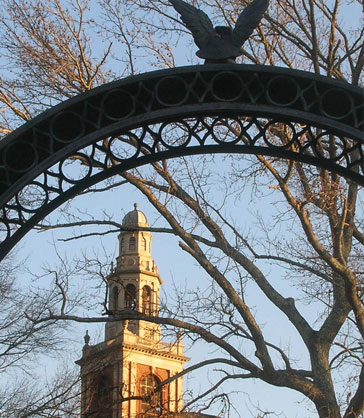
{"x":134,"y":241}
{"x":135,"y":282}
{"x":135,"y":218}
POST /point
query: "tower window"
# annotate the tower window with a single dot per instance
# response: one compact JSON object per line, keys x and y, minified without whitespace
{"x":122,"y":245}
{"x":144,"y":244}
{"x":151,"y":406}
{"x":132,"y":243}
{"x":115,"y":297}
{"x":103,"y":389}
{"x":102,"y":398}
{"x":130,"y":297}
{"x":147,"y":300}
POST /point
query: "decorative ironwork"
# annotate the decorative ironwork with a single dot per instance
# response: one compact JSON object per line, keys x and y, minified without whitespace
{"x":193,"y":110}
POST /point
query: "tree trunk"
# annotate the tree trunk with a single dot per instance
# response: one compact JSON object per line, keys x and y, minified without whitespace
{"x":326,"y":404}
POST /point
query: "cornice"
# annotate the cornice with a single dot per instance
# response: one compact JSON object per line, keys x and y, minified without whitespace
{"x":155,"y":352}
{"x":136,"y":270}
{"x":103,"y":350}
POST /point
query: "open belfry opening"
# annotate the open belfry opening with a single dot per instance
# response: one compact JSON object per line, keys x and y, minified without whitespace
{"x":122,"y":376}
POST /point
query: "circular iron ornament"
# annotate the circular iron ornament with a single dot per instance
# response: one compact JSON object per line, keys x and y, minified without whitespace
{"x":32,"y":197}
{"x":221,"y":132}
{"x":118,"y":104}
{"x":226,"y":86}
{"x":174,"y":135}
{"x":75,"y":168}
{"x":67,"y":127}
{"x":171,"y":91}
{"x":283,"y":91}
{"x":287,"y":128}
{"x":20,"y":157}
{"x":123,"y":147}
{"x":336,"y":104}
{"x":223,"y":108}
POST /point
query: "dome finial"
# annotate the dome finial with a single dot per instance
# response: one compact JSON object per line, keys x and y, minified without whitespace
{"x":135,"y":218}
{"x":86,"y":338}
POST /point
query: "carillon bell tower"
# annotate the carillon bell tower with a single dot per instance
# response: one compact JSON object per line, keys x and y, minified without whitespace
{"x":135,"y":282}
{"x":120,"y":375}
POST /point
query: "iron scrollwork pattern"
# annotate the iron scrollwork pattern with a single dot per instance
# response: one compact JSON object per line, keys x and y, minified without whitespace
{"x":171,"y":113}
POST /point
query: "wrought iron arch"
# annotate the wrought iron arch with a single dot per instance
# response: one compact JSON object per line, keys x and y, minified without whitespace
{"x":171,"y":113}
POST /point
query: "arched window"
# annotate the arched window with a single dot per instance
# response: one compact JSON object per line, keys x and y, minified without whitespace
{"x":130,"y":297}
{"x":144,"y":244}
{"x":122,"y":244}
{"x":115,"y":298}
{"x":102,"y":402}
{"x":147,"y":300}
{"x":132,"y":243}
{"x":103,"y":389}
{"x":151,"y":405}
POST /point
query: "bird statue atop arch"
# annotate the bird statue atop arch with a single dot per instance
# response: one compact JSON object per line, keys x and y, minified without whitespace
{"x":220,"y":44}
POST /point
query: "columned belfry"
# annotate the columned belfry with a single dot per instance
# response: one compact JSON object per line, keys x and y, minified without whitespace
{"x":134,"y":284}
{"x":120,"y":374}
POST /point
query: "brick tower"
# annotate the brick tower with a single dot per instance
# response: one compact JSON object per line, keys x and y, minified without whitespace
{"x":120,"y":374}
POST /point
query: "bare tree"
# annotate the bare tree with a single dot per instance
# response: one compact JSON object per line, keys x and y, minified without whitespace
{"x":225,"y":315}
{"x":321,"y":256}
{"x":25,"y":391}
{"x":48,"y":56}
{"x":58,"y":397}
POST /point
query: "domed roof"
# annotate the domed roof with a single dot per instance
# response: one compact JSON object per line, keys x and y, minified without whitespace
{"x":135,"y":218}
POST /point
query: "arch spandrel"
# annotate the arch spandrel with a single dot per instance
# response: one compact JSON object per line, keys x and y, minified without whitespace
{"x":194,"y":102}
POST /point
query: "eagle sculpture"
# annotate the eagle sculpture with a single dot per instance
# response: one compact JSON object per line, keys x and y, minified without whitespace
{"x":220,"y":44}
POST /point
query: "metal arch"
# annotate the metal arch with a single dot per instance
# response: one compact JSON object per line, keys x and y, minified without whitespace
{"x":171,"y":113}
